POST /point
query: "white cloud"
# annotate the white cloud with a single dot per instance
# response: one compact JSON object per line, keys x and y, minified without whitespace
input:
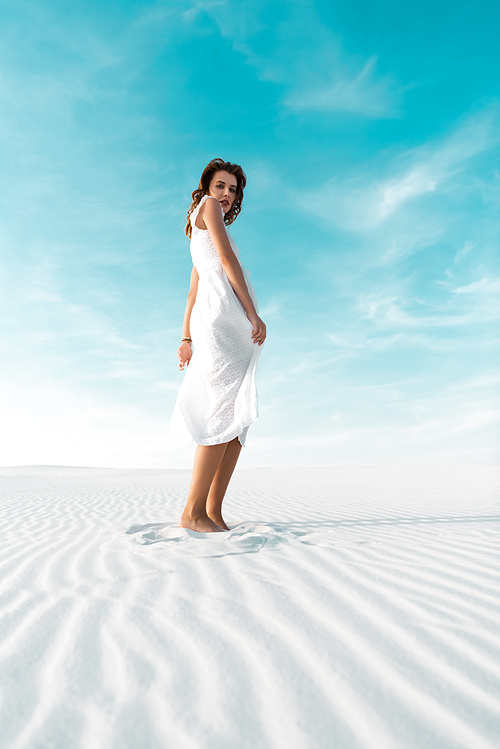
{"x":390,"y":195}
{"x":356,"y":93}
{"x":308,"y":58}
{"x":476,"y":382}
{"x":468,"y":246}
{"x":363,"y":202}
{"x":199,"y":7}
{"x":272,"y":307}
{"x":453,"y":424}
{"x":388,"y":312}
{"x":483,"y":286}
{"x":338,"y":341}
{"x":382,"y":342}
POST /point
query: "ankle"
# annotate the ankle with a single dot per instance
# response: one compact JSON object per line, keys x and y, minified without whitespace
{"x":215,"y":507}
{"x":193,"y":514}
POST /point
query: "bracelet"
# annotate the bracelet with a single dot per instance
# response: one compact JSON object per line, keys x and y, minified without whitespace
{"x":186,"y":340}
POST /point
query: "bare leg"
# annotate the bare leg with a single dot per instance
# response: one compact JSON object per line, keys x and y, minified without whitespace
{"x":221,"y":481}
{"x":206,"y":462}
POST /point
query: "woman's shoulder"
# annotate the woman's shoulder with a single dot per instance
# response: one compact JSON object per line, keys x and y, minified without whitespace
{"x":200,"y":210}
{"x":210,"y":204}
{"x":209,"y":200}
{"x":206,"y":200}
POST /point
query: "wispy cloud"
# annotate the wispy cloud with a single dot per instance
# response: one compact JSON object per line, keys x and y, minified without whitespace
{"x":199,"y":7}
{"x":453,"y":424}
{"x":364,"y":201}
{"x":390,"y":312}
{"x":382,"y":342}
{"x":300,"y":52}
{"x":361,"y":93}
{"x":468,"y":246}
{"x":484,"y":286}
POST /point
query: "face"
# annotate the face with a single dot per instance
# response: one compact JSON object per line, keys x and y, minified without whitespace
{"x":223,"y":187}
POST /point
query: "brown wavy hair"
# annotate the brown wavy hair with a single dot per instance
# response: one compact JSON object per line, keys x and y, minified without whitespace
{"x":218,"y":165}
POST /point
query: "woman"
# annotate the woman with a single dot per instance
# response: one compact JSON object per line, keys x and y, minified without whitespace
{"x":217,"y":400}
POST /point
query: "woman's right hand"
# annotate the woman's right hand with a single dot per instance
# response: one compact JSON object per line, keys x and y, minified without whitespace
{"x":184,"y":354}
{"x":259,"y":330}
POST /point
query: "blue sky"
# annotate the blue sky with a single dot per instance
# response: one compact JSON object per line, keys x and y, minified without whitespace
{"x":370,"y":136}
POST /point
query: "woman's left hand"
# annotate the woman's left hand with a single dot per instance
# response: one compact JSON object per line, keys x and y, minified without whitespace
{"x":259,"y":331}
{"x":184,"y":354}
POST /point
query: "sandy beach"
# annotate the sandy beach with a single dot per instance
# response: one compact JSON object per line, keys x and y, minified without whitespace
{"x":348,"y":607}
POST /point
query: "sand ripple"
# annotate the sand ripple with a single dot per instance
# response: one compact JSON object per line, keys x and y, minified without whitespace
{"x":352,"y":607}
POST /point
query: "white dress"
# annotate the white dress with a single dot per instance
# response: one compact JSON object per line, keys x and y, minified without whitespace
{"x":217,"y":400}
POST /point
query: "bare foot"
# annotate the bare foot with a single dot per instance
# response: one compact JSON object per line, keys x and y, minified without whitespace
{"x":203,"y":524}
{"x":220,"y":522}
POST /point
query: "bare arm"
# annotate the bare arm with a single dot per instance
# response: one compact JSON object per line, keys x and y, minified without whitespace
{"x":185,"y":351}
{"x":212,"y":216}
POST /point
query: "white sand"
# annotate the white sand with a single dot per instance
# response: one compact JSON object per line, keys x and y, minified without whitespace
{"x":354,"y":606}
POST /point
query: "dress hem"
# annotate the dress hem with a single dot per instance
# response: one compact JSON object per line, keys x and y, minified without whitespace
{"x":215,"y":441}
